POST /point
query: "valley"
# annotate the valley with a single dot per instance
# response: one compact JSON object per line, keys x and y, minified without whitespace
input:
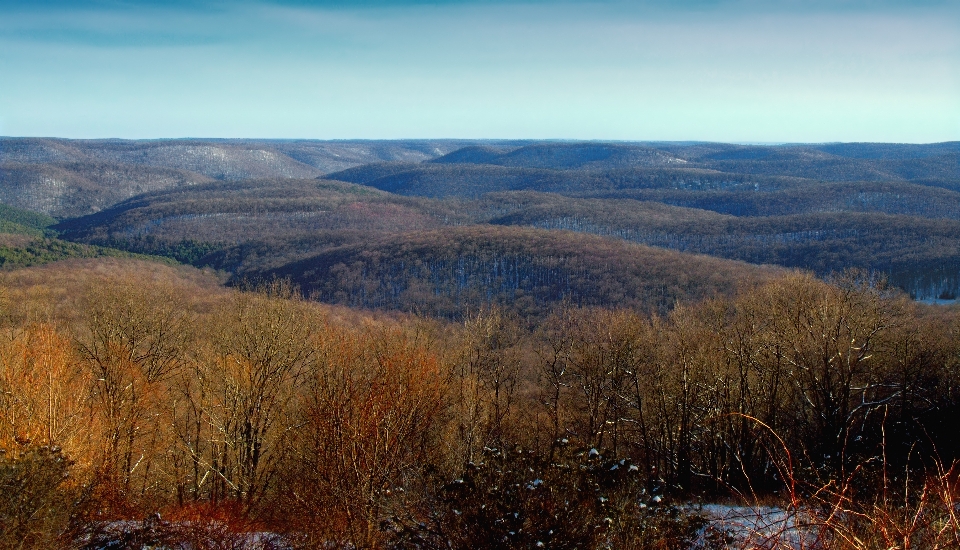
{"x":255,"y":209}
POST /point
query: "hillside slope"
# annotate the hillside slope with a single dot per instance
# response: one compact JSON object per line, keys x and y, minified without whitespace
{"x":195,"y":220}
{"x":453,"y":271}
{"x":69,"y":178}
{"x":70,"y":189}
{"x":828,"y":162}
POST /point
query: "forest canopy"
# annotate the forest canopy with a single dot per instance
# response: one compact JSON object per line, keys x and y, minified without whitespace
{"x":134,"y":390}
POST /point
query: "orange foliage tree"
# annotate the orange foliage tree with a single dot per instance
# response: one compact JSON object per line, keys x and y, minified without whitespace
{"x":371,"y":407}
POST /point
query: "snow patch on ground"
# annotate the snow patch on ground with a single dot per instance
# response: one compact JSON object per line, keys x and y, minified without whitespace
{"x":761,"y":528}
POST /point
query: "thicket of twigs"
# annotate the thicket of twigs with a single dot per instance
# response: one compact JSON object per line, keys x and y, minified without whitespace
{"x":147,"y":406}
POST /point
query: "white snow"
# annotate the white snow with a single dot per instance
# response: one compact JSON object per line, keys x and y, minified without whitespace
{"x":764,"y":527}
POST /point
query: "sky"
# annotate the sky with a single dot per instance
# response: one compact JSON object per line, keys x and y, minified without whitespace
{"x":711,"y":70}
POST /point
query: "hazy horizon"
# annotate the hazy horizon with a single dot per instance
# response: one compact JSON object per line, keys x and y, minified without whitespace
{"x":482,"y":139}
{"x":713,"y":70}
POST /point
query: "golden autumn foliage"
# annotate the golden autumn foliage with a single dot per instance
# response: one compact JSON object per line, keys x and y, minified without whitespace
{"x":43,"y":391}
{"x":370,"y":412}
{"x":128,"y":393}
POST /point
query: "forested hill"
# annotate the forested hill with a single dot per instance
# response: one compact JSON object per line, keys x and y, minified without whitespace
{"x":454,"y":271}
{"x":265,"y":208}
{"x":67,"y":178}
{"x":594,"y":168}
{"x":231,"y":212}
{"x":226,"y":158}
{"x":831,"y":162}
{"x":474,"y":180}
{"x":562,"y":156}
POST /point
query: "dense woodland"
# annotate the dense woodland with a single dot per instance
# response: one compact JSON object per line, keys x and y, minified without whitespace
{"x":131,"y":389}
{"x":888,"y":209}
{"x":443,"y":344}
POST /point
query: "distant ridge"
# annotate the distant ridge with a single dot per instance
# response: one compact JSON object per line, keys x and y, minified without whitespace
{"x":259,"y":208}
{"x":450,"y":272}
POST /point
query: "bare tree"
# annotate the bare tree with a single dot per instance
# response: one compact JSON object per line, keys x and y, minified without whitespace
{"x":133,"y":341}
{"x":242,"y":399}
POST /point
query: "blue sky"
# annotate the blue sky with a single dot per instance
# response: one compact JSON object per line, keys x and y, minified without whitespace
{"x":718,"y":70}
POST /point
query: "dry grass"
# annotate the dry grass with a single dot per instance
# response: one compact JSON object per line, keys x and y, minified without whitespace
{"x":862,"y":511}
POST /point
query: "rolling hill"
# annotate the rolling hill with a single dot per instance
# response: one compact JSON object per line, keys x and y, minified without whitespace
{"x":227,"y":213}
{"x":271,"y":208}
{"x":453,"y":271}
{"x":70,"y":189}
{"x":68,"y":178}
{"x":828,"y":162}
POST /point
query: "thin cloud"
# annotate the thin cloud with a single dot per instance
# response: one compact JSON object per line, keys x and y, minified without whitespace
{"x":606,"y":70}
